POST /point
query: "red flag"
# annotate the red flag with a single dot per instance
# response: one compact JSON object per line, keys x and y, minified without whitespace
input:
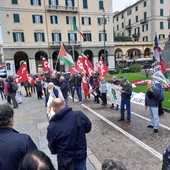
{"x":84,"y":85}
{"x":31,"y":80}
{"x":73,"y":70}
{"x":102,"y":68}
{"x":87,"y":65}
{"x":21,"y":74}
{"x":79,"y":65}
{"x":46,"y":66}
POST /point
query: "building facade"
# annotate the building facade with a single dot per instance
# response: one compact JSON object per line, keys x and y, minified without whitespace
{"x":35,"y":28}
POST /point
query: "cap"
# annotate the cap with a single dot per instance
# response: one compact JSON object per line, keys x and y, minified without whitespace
{"x":123,"y":79}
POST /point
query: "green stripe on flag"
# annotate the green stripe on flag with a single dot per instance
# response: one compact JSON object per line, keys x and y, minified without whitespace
{"x":67,"y":62}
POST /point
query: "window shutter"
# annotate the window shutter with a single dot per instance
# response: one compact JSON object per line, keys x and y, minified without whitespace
{"x":100,"y":4}
{"x":60,"y":37}
{"x":72,"y":2}
{"x":67,"y":20}
{"x":22,"y":35}
{"x":74,"y":19}
{"x":82,"y":20}
{"x":43,"y":37}
{"x":39,"y":2}
{"x":31,"y":2}
{"x":51,"y":19}
{"x":14,"y":37}
{"x":100,"y":38}
{"x":84,"y":38}
{"x":98,"y":20}
{"x":66,"y":2}
{"x":49,"y":2}
{"x":53,"y":37}
{"x":89,"y":21}
{"x":33,"y":18}
{"x":41,"y":19}
{"x":56,"y":2}
{"x":56,"y":19}
{"x":85,"y":4}
{"x":35,"y":37}
{"x":75,"y":36}
{"x":90,"y":37}
{"x":69,"y":37}
{"x":105,"y":37}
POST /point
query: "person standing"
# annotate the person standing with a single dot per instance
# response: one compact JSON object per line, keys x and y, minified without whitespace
{"x":13,"y":145}
{"x":64,"y":87}
{"x":152,"y":101}
{"x":12,"y":91}
{"x":38,"y":86}
{"x":2,"y":88}
{"x":66,"y":135}
{"x":103,"y":91}
{"x":126,"y":92}
{"x":96,"y":91}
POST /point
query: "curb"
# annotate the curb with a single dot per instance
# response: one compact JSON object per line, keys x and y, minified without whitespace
{"x":93,"y":159}
{"x":166,"y":110}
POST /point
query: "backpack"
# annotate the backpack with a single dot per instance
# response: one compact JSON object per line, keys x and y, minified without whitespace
{"x":14,"y":86}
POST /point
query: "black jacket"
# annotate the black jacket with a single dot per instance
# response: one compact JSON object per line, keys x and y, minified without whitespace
{"x":64,"y":88}
{"x":63,"y":131}
{"x":77,"y":81}
{"x":13,"y":147}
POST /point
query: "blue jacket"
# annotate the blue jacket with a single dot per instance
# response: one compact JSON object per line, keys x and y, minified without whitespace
{"x":159,"y":87}
{"x":63,"y":131}
{"x":38,"y":86}
{"x":128,"y":91}
{"x":64,"y":88}
{"x":13,"y":147}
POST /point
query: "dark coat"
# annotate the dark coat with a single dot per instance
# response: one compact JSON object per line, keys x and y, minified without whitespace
{"x":13,"y":147}
{"x":38,"y":86}
{"x":152,"y":98}
{"x":62,"y":134}
{"x":128,"y":91}
{"x":9,"y":85}
{"x":77,"y":81}
{"x":64,"y":88}
{"x":1,"y":85}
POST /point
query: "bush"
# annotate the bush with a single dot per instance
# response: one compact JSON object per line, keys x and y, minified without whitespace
{"x":135,"y":68}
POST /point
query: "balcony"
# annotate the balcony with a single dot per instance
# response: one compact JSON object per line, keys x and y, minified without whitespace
{"x":67,"y":43}
{"x":145,"y":20}
{"x":128,"y":27}
{"x":57,"y":8}
{"x":168,"y":18}
{"x":136,"y":35}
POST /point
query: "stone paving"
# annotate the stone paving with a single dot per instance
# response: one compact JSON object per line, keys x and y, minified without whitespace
{"x":30,"y":118}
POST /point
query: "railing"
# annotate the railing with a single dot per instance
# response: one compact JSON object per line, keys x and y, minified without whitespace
{"x":70,"y":43}
{"x":128,"y":27}
{"x":62,"y":8}
{"x":168,"y":18}
{"x":142,"y":21}
{"x":136,"y":35}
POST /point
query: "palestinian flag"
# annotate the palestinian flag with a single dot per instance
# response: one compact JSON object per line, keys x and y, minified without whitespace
{"x":65,"y":56}
{"x":75,"y":28}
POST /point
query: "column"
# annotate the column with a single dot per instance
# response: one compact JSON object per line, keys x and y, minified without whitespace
{"x":32,"y":65}
{"x":10,"y":67}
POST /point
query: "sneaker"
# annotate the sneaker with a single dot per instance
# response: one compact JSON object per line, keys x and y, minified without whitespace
{"x":120,"y":120}
{"x":155,"y":130}
{"x":150,"y":126}
{"x":80,"y":102}
{"x":112,"y":106}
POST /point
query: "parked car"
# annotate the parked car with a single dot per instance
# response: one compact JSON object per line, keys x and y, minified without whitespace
{"x":3,"y":73}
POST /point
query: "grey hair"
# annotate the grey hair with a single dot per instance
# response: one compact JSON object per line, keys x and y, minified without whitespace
{"x":57,"y":102}
{"x":113,"y":164}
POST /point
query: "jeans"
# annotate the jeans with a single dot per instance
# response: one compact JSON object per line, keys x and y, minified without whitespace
{"x":104,"y":98}
{"x":80,"y":164}
{"x":79,"y":93}
{"x":154,"y":117}
{"x":12,"y":96}
{"x":122,"y":106}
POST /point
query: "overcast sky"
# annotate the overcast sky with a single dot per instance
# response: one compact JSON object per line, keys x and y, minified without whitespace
{"x":119,"y":5}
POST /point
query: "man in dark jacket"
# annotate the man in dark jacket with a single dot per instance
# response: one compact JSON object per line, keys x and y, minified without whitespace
{"x":64,"y":87}
{"x":126,"y":92}
{"x":66,"y":136}
{"x":13,"y":145}
{"x":152,"y":101}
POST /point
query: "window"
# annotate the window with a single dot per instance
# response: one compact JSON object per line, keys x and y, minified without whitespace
{"x":144,"y":4}
{"x":14,"y":1}
{"x":161,"y":1}
{"x":145,"y":38}
{"x":39,"y":37}
{"x":117,"y":27}
{"x":122,"y":16}
{"x":35,"y":2}
{"x":54,"y":19}
{"x":69,"y":19}
{"x":145,"y":27}
{"x":145,"y":15}
{"x":122,"y":24}
{"x":86,"y":20}
{"x":72,"y":38}
{"x":56,"y":38}
{"x":137,"y":18}
{"x":136,"y":8}
{"x":161,"y":12}
{"x":85,"y":4}
{"x":129,"y":12}
{"x":101,"y":37}
{"x":53,"y":2}
{"x":161,"y":36}
{"x":18,"y":37}
{"x":137,"y":31}
{"x":69,"y":3}
{"x":87,"y":37}
{"x":117,"y":18}
{"x":129,"y":22}
{"x":101,"y":5}
{"x":101,"y":21}
{"x":38,"y":19}
{"x":169,"y":25}
{"x":129,"y":32}
{"x":16,"y":18}
{"x":122,"y":33}
{"x":161,"y":25}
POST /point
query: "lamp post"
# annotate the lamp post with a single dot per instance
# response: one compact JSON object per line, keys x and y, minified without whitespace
{"x":104,"y":36}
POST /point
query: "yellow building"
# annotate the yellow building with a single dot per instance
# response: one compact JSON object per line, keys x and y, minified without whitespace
{"x":35,"y":28}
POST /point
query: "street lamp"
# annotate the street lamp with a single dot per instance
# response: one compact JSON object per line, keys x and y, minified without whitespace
{"x":104,"y":36}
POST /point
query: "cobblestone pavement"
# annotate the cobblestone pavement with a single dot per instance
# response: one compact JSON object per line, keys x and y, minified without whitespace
{"x":30,"y":118}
